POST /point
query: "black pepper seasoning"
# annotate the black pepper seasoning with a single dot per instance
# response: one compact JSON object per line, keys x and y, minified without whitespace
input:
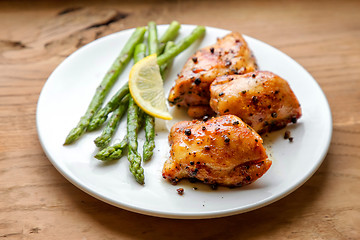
{"x":221,"y":94}
{"x":188,"y":132}
{"x":195,"y":59}
{"x":212,"y":50}
{"x":205,"y":118}
{"x":274,"y":115}
{"x":197,"y":81}
{"x":254,"y":99}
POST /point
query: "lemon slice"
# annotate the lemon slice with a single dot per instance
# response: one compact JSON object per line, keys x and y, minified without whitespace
{"x":147,"y":89}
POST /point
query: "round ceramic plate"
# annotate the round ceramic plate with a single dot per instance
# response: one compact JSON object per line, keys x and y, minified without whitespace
{"x":70,"y":87}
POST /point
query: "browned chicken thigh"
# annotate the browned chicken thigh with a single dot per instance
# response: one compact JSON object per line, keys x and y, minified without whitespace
{"x":223,"y":150}
{"x":229,"y":55}
{"x":261,"y":99}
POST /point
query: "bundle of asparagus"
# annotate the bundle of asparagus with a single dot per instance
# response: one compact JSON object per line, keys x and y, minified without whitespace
{"x":122,"y":102}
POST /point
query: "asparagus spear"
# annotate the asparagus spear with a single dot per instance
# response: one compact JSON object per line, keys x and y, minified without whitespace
{"x":104,"y":139}
{"x":169,"y":35}
{"x":113,"y":152}
{"x":163,"y":67}
{"x":101,"y":116}
{"x":106,"y":84}
{"x":116,"y":151}
{"x":197,"y":33}
{"x":134,"y":121}
{"x":149,"y":143}
{"x":104,"y":154}
{"x":153,"y":44}
{"x":133,"y":126}
{"x":140,"y":52}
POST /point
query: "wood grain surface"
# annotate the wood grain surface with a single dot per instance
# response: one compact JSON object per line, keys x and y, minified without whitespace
{"x":36,"y":202}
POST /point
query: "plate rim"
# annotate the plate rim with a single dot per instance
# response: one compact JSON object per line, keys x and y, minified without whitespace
{"x":188,"y":215}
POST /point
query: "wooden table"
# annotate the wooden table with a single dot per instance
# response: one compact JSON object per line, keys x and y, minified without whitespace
{"x":36,"y":202}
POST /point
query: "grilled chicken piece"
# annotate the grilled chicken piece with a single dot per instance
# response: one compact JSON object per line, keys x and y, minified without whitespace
{"x":229,"y":55}
{"x":223,"y":150}
{"x":261,"y":99}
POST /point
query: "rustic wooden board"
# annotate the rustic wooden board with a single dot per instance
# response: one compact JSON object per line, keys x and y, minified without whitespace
{"x":36,"y":202}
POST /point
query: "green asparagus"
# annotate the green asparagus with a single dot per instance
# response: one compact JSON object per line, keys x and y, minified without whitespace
{"x":149,"y":143}
{"x":153,"y":44}
{"x":113,"y":152}
{"x":104,"y":139}
{"x":197,"y":33}
{"x":133,"y":126}
{"x":134,"y":122}
{"x":106,"y":84}
{"x":140,"y":52}
{"x":116,"y":151}
{"x":163,"y":67}
{"x":101,"y":116}
{"x":169,"y":35}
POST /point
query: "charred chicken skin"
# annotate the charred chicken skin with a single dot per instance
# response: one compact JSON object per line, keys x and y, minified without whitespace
{"x":229,"y":55}
{"x":261,"y":99}
{"x":223,"y":150}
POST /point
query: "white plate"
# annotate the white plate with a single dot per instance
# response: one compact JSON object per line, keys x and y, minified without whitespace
{"x":70,"y":87}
